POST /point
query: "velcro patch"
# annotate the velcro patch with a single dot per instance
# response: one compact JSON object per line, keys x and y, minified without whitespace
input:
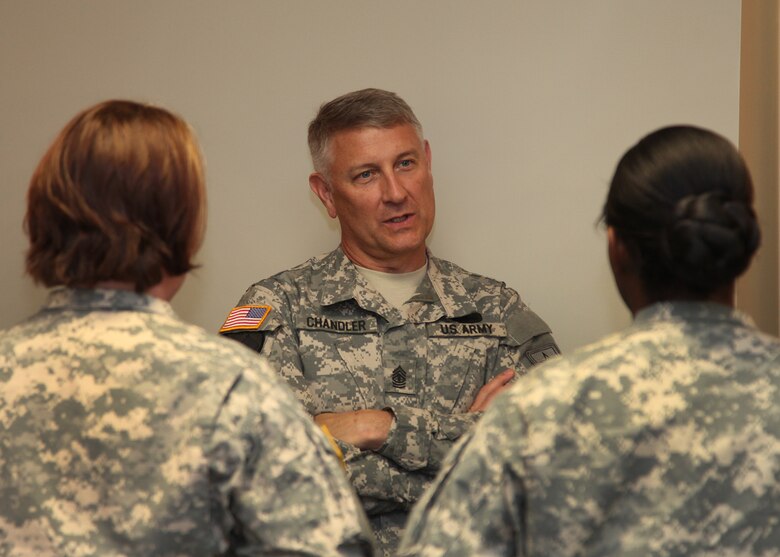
{"x":357,"y":325}
{"x":402,"y":379}
{"x":245,"y":318}
{"x":539,"y":355}
{"x":455,"y":329}
{"x":399,"y":378}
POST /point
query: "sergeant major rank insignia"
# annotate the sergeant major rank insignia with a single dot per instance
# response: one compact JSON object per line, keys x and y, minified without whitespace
{"x":399,"y":378}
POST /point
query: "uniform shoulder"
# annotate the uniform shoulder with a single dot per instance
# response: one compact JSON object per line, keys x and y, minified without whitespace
{"x":495,"y":301}
{"x":11,"y":335}
{"x":770,"y":343}
{"x":294,"y":275}
{"x":468,"y":278}
{"x":569,"y":372}
{"x":214,"y":354}
{"x":228,"y":363}
{"x":752,"y":348}
{"x":285,"y":291}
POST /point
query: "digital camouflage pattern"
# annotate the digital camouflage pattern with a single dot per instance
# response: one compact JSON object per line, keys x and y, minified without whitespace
{"x":662,"y":440}
{"x":342,"y":347}
{"x":124,"y":431}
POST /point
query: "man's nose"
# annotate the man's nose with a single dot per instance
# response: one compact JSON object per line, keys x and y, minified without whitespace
{"x":393,"y":190}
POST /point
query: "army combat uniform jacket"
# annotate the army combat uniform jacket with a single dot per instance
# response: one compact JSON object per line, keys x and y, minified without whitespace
{"x":662,"y":440}
{"x":342,"y":347}
{"x":124,"y":431}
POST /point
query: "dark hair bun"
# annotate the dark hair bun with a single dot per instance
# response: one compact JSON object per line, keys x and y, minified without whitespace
{"x":681,"y":200}
{"x":710,"y":240}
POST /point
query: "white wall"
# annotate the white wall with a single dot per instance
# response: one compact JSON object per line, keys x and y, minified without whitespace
{"x":527,"y":104}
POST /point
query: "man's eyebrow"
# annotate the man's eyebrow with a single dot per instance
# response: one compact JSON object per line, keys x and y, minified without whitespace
{"x":415,"y":153}
{"x":410,"y":153}
{"x":361,"y":167}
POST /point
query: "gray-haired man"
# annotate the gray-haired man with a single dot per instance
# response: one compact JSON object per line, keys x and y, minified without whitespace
{"x":394,"y":351}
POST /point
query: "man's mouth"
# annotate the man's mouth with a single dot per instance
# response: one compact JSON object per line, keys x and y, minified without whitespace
{"x":398,"y":219}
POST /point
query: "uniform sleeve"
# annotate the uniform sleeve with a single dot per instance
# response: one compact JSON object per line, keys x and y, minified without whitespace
{"x":476,"y":504}
{"x":280,"y":487}
{"x":420,"y":439}
{"x":383,"y":485}
{"x":275,"y":338}
{"x":529,"y":339}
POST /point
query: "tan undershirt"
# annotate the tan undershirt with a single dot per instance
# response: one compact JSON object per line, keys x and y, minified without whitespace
{"x":396,"y":288}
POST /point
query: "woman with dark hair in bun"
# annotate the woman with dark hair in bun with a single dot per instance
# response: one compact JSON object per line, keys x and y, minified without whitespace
{"x":680,"y":219}
{"x":662,"y":439}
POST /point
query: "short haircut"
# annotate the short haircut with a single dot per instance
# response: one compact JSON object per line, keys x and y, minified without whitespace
{"x":681,"y":199}
{"x":118,"y":196}
{"x":367,"y":108}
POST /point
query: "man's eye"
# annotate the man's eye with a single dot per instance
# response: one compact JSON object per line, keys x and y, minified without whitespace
{"x":365,"y":175}
{"x":406,"y":163}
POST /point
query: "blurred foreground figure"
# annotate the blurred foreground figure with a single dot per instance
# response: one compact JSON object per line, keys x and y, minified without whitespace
{"x":663,"y":439}
{"x":123,"y":430}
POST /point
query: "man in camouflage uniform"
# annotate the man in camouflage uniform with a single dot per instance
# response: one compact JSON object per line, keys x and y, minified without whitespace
{"x":391,"y":349}
{"x":661,"y":440}
{"x":123,"y":430}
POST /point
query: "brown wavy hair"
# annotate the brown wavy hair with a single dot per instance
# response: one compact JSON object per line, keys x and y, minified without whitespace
{"x":118,"y":196}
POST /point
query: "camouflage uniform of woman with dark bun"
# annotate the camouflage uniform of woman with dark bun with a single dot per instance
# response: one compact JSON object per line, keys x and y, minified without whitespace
{"x":662,"y":439}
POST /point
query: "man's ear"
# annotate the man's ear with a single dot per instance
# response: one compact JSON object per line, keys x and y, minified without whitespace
{"x":321,"y":189}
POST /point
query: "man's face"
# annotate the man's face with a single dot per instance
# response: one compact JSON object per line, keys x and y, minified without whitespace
{"x":379,"y":185}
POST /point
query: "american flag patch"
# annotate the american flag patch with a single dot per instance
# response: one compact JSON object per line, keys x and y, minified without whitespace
{"x":243,"y":318}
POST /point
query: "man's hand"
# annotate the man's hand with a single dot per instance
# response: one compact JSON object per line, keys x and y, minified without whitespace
{"x":365,"y":429}
{"x":490,"y":389}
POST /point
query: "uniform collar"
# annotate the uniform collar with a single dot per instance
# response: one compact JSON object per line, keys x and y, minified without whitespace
{"x":441,"y":293}
{"x":445,"y":286}
{"x":104,"y":299}
{"x":337,"y":280}
{"x":691,"y":311}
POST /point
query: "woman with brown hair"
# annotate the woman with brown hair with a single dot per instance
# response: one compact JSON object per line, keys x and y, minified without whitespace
{"x":126,"y":431}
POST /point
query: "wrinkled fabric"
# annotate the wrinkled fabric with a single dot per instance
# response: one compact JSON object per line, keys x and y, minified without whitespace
{"x":342,"y":347}
{"x":661,"y":440}
{"x":126,"y":432}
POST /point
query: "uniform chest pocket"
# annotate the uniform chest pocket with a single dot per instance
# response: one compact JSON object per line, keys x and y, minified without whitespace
{"x":340,"y":366}
{"x":456,"y":371}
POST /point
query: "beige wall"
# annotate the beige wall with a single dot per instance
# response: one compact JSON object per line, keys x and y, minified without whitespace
{"x":758,"y":291}
{"x":527,"y":104}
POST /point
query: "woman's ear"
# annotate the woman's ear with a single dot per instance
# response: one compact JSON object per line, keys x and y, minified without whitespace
{"x":625,"y":272}
{"x":619,"y":256}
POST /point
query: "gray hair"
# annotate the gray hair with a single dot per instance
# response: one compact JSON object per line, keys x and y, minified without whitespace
{"x":367,"y":108}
